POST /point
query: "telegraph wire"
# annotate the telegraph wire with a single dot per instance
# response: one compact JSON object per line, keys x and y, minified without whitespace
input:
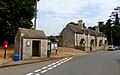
{"x":50,"y":13}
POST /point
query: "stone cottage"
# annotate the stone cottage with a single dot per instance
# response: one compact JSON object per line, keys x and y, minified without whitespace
{"x":75,"y":35}
{"x":30,"y":43}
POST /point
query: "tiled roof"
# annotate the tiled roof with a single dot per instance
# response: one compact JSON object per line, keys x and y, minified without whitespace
{"x":33,"y":34}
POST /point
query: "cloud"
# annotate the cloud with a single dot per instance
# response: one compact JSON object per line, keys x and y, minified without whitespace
{"x":53,"y":15}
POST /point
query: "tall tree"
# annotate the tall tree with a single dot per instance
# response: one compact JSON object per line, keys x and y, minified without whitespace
{"x":15,"y":14}
{"x":115,"y":35}
{"x":108,"y":31}
{"x":102,"y":26}
{"x":116,"y":19}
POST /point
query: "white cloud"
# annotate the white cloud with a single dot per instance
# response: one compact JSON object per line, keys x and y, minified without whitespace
{"x":53,"y":15}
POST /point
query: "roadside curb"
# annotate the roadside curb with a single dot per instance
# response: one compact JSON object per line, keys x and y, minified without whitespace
{"x":23,"y":62}
{"x":96,"y":51}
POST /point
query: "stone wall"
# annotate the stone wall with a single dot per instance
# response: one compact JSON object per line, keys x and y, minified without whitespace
{"x":17,"y":47}
{"x":78,"y":38}
{"x":43,"y":48}
{"x":27,"y":50}
{"x":88,"y":38}
{"x":80,"y":47}
{"x":67,"y":38}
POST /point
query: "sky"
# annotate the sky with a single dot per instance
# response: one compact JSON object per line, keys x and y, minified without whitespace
{"x":54,"y":15}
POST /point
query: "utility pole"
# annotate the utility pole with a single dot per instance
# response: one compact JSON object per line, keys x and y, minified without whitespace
{"x":111,"y":37}
{"x":35,"y":14}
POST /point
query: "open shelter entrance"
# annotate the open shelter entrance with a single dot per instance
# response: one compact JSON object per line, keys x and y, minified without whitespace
{"x":36,"y":48}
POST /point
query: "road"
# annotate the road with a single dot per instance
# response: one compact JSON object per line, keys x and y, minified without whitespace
{"x":102,"y":63}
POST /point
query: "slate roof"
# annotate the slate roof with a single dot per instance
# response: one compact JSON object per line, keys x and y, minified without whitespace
{"x":76,"y":29}
{"x":32,"y":34}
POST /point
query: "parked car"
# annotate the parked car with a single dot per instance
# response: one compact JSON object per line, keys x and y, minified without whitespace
{"x":116,"y":47}
{"x":111,"y":48}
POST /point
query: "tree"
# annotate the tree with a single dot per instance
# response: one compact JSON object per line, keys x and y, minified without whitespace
{"x":116,"y":35}
{"x":15,"y":14}
{"x":52,"y":38}
{"x":116,"y":14}
{"x":102,"y":27}
{"x":114,"y":26}
{"x":116,"y":19}
{"x":91,"y":28}
{"x":108,"y":31}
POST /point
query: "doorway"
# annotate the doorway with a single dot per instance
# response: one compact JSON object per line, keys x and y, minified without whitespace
{"x":91,"y":44}
{"x":82,"y":42}
{"x":100,"y":43}
{"x":36,"y":48}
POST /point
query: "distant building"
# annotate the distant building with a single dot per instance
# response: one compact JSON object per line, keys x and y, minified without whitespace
{"x":30,"y":43}
{"x":75,"y":35}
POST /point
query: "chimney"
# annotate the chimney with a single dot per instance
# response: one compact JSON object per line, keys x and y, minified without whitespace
{"x":80,"y":24}
{"x":97,"y":29}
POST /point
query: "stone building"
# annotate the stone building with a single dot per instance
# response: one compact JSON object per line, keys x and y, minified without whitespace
{"x":30,"y":43}
{"x":75,"y":35}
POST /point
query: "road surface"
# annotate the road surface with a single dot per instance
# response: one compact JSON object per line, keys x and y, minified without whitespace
{"x":103,"y":63}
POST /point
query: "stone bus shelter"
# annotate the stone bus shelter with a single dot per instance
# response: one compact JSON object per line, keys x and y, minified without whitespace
{"x":30,"y":43}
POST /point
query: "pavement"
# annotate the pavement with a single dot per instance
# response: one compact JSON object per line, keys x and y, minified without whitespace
{"x":102,"y":63}
{"x":23,"y":62}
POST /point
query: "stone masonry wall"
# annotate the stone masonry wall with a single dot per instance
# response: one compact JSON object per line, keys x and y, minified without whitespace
{"x":43,"y":48}
{"x":68,"y":38}
{"x":27,"y":50}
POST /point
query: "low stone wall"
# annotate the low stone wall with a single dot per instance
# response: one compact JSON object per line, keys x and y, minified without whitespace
{"x":88,"y":49}
{"x":100,"y":48}
{"x":80,"y":47}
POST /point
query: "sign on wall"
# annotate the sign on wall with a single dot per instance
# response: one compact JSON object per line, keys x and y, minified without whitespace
{"x":28,"y":43}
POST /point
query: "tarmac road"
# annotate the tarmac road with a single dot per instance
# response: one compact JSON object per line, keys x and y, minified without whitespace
{"x":103,"y":63}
